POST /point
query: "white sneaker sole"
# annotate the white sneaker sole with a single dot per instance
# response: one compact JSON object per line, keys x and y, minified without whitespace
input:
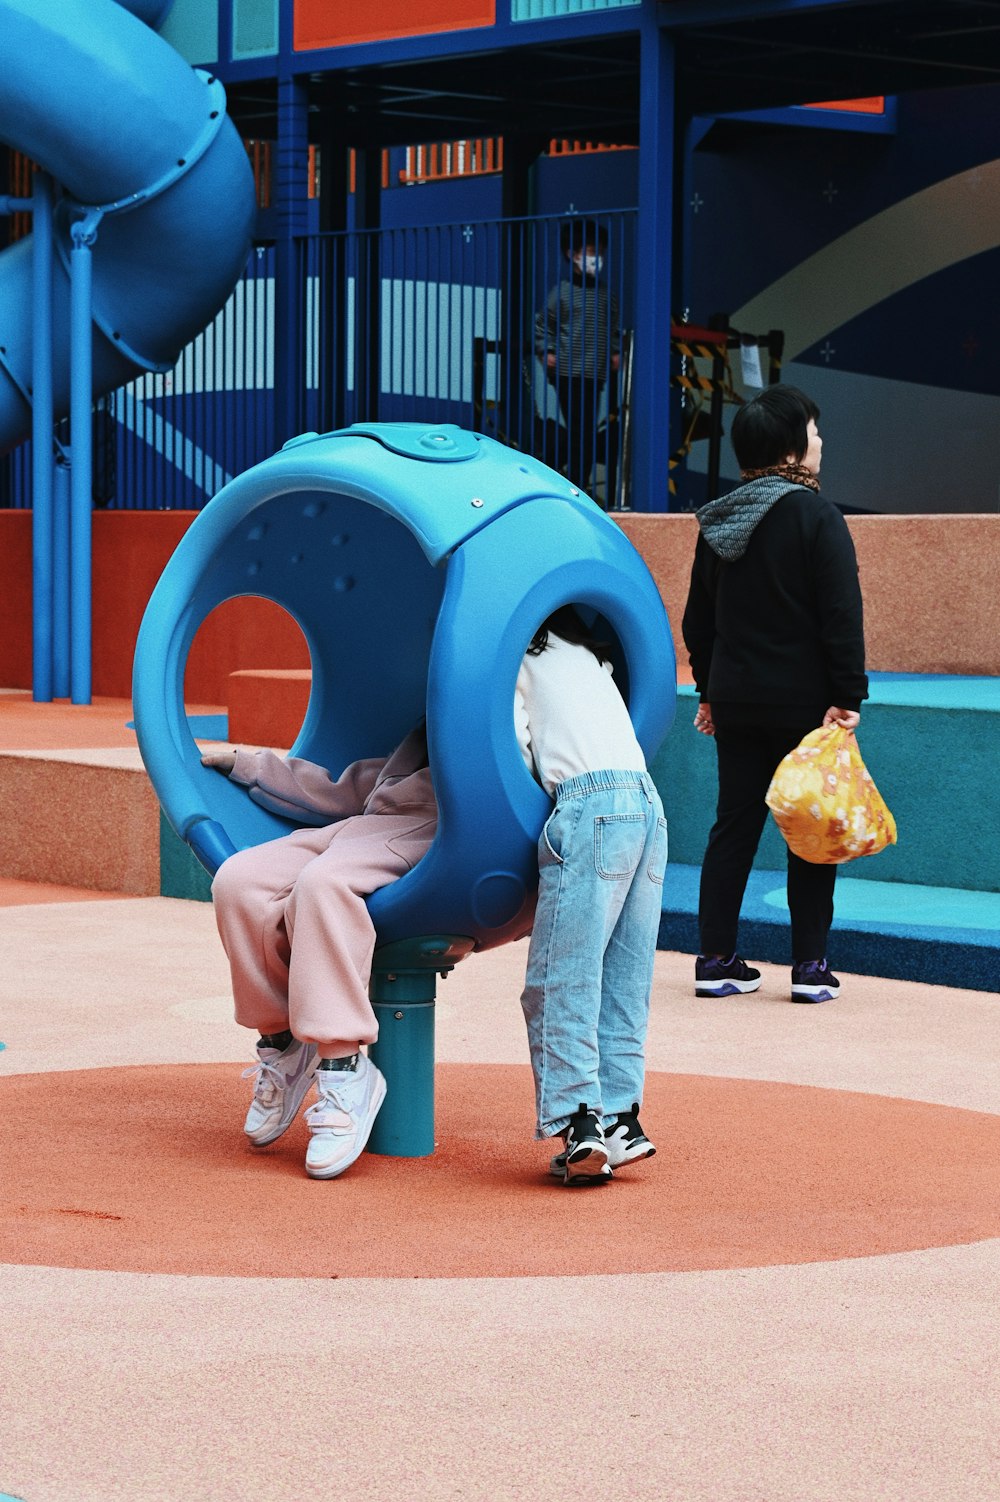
{"x":591,"y":1166}
{"x":726,"y":987}
{"x":335,"y":1169}
{"x":557,"y":1164}
{"x":636,"y":1154}
{"x":815,"y":993}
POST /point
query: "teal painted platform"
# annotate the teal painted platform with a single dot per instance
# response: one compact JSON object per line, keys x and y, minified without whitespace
{"x":932,"y":744}
{"x":926,"y":909}
{"x":943,"y":936}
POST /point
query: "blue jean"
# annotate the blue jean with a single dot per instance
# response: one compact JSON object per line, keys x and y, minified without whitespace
{"x":601,"y":859}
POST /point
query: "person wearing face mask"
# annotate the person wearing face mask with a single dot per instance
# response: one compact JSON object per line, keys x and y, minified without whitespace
{"x":773,"y":626}
{"x":577,"y":339}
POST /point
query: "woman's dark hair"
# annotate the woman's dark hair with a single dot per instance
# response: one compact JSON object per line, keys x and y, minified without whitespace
{"x":567,"y":623}
{"x":771,"y":426}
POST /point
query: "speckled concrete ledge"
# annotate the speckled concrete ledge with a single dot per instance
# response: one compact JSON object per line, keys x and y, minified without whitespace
{"x":925,"y":581}
{"x":81,"y":818}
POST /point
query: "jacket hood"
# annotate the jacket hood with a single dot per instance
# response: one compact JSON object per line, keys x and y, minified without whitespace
{"x":727,"y":524}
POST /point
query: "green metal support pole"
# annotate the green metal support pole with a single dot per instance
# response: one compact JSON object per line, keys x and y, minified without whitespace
{"x":403,"y":985}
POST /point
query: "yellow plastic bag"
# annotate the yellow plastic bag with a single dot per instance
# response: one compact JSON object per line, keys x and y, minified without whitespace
{"x":825,"y":803}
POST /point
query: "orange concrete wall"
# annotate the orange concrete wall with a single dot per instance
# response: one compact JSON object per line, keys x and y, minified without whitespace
{"x":130,"y":550}
{"x":929,"y":584}
{"x":930,"y":587}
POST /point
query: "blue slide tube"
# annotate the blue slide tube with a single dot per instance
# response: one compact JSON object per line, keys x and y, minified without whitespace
{"x":123,"y":124}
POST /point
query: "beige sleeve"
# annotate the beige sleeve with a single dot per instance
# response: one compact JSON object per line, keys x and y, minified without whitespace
{"x":303,"y":791}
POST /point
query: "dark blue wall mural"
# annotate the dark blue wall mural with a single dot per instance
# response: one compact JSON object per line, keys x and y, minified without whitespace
{"x":880,"y":258}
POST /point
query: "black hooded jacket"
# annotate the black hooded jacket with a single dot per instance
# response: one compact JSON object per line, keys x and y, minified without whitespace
{"x":777,"y":635}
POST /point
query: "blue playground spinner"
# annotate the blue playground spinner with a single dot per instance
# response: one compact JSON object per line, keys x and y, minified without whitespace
{"x":418,"y":562}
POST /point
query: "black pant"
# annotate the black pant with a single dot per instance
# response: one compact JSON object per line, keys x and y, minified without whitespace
{"x":748,"y":756}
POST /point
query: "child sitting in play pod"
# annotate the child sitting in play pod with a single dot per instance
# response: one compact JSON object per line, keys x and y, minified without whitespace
{"x":293,"y":921}
{"x":299,"y":938}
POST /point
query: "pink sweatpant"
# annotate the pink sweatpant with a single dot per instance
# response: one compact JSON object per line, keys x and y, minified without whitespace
{"x":294,"y":925}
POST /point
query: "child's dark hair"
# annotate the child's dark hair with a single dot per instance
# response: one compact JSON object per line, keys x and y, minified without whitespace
{"x":772,"y":426}
{"x":568,"y":624}
{"x":579,"y":233}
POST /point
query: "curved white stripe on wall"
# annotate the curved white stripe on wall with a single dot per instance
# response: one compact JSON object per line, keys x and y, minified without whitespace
{"x":948,"y":222}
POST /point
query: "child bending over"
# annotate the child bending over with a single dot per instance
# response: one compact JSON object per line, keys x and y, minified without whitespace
{"x":601,"y":856}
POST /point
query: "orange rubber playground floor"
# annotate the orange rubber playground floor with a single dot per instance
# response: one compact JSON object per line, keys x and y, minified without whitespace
{"x":793,"y":1301}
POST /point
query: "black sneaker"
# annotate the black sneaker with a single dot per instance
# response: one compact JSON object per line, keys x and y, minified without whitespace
{"x":732,"y":977}
{"x":625,"y":1139}
{"x":813,"y":980}
{"x":586,"y":1157}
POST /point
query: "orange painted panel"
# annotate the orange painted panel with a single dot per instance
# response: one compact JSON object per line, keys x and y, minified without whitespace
{"x":131,"y":550}
{"x":338,"y":23}
{"x":873,"y":106}
{"x":15,"y":599}
{"x":267,"y":706}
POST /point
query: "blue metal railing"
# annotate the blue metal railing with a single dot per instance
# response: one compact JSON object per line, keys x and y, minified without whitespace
{"x":460,"y":323}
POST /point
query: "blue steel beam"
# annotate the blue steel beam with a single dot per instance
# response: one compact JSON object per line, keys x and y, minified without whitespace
{"x":677,"y":14}
{"x":62,"y":649}
{"x":502,"y":36}
{"x":654,"y":268}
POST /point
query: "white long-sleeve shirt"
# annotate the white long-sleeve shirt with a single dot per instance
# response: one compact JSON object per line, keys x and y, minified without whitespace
{"x":570,"y":717}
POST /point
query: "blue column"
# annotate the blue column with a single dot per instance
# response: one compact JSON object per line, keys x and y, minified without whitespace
{"x":81,"y":400}
{"x":41,"y":442}
{"x":654,"y":269}
{"x":290,"y":189}
{"x":61,"y":649}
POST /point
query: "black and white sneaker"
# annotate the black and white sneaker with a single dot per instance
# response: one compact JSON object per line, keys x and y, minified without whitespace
{"x":813,"y":980}
{"x":585,"y":1158}
{"x":716,"y":977}
{"x":625,"y":1139}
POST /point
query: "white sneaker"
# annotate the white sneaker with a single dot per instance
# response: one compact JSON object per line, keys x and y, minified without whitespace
{"x":283,"y":1080}
{"x":625,"y":1139}
{"x":585,"y":1158}
{"x":341,"y":1120}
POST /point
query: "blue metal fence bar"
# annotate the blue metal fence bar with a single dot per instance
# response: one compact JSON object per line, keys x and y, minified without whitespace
{"x":442,"y":337}
{"x":180,"y":435}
